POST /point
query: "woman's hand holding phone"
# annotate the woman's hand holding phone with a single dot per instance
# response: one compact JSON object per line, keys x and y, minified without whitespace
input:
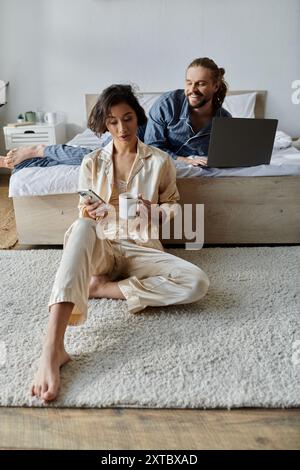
{"x":95,"y":206}
{"x":95,"y":209}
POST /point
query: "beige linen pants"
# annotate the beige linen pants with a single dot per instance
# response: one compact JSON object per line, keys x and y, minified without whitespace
{"x":149,"y":277}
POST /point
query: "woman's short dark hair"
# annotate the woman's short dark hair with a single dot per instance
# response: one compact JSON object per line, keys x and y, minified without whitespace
{"x":111,"y":96}
{"x":217,"y":75}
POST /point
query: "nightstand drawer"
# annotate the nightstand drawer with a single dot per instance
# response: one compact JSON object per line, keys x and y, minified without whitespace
{"x":25,"y":137}
{"x":34,"y":135}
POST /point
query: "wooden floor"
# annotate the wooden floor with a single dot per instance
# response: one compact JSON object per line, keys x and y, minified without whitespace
{"x":49,"y":428}
{"x":148,"y":429}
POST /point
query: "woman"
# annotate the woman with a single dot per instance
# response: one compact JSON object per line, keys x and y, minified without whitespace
{"x":94,"y":266}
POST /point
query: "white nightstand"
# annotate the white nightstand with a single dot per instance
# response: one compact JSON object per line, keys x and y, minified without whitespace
{"x":40,"y":133}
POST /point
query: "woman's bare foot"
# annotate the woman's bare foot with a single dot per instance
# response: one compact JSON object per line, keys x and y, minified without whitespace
{"x":102,"y":287}
{"x":20,"y":154}
{"x":96,"y":286}
{"x":47,"y":380}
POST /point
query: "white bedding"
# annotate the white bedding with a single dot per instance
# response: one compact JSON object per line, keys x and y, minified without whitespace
{"x":88,"y":139}
{"x":62,"y":179}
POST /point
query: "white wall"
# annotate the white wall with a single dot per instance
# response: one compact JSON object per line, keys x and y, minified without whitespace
{"x":53,"y":51}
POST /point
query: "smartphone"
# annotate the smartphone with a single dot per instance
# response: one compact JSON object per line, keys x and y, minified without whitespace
{"x":89,"y":193}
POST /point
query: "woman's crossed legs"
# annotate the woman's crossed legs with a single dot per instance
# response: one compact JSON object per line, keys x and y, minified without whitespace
{"x":154,"y":278}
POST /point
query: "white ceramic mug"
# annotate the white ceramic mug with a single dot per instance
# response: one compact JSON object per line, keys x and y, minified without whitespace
{"x":128,"y":205}
{"x":50,"y":118}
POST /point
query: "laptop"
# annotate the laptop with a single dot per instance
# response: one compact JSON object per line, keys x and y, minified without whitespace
{"x":239,"y":142}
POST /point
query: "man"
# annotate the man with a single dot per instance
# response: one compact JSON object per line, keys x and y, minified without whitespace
{"x":180,"y":121}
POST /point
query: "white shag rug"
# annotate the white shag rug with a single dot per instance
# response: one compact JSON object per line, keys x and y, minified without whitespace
{"x":238,"y":347}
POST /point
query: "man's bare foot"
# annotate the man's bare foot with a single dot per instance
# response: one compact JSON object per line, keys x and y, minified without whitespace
{"x":47,"y":380}
{"x":96,"y":286}
{"x":20,"y":154}
{"x":6,"y":162}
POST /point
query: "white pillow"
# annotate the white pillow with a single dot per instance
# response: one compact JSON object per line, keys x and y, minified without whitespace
{"x":282,"y":140}
{"x":241,"y":106}
{"x":238,"y":105}
{"x":147,"y":99}
{"x":88,"y":139}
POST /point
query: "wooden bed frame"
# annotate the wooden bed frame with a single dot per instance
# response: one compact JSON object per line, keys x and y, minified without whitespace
{"x":237,"y":210}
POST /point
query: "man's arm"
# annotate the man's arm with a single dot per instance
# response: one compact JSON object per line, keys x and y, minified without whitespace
{"x":155,"y":133}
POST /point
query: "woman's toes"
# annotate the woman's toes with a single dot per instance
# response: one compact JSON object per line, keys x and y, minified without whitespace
{"x":49,"y":395}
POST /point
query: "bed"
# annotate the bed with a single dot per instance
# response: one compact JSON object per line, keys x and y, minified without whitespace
{"x":240,"y":207}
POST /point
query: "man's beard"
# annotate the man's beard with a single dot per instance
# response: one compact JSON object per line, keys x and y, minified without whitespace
{"x":202,"y":102}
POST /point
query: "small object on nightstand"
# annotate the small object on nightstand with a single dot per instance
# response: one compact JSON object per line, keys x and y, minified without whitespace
{"x":30,"y":116}
{"x":21,"y":118}
{"x":50,"y":118}
{"x":39,"y":115}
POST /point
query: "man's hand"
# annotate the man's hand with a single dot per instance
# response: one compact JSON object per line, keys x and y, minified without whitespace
{"x":196,"y":161}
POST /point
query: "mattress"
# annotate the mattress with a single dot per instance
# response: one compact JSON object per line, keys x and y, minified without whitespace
{"x":63,"y":179}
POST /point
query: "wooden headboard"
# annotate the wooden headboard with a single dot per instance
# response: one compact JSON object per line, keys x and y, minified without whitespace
{"x":259,"y":110}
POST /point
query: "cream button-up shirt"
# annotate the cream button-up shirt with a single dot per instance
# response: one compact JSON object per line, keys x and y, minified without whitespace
{"x":153,"y":175}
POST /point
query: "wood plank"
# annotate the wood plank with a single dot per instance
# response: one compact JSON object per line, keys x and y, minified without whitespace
{"x":245,"y":209}
{"x":8,"y":232}
{"x":43,"y":220}
{"x":238,"y":210}
{"x":23,"y":428}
